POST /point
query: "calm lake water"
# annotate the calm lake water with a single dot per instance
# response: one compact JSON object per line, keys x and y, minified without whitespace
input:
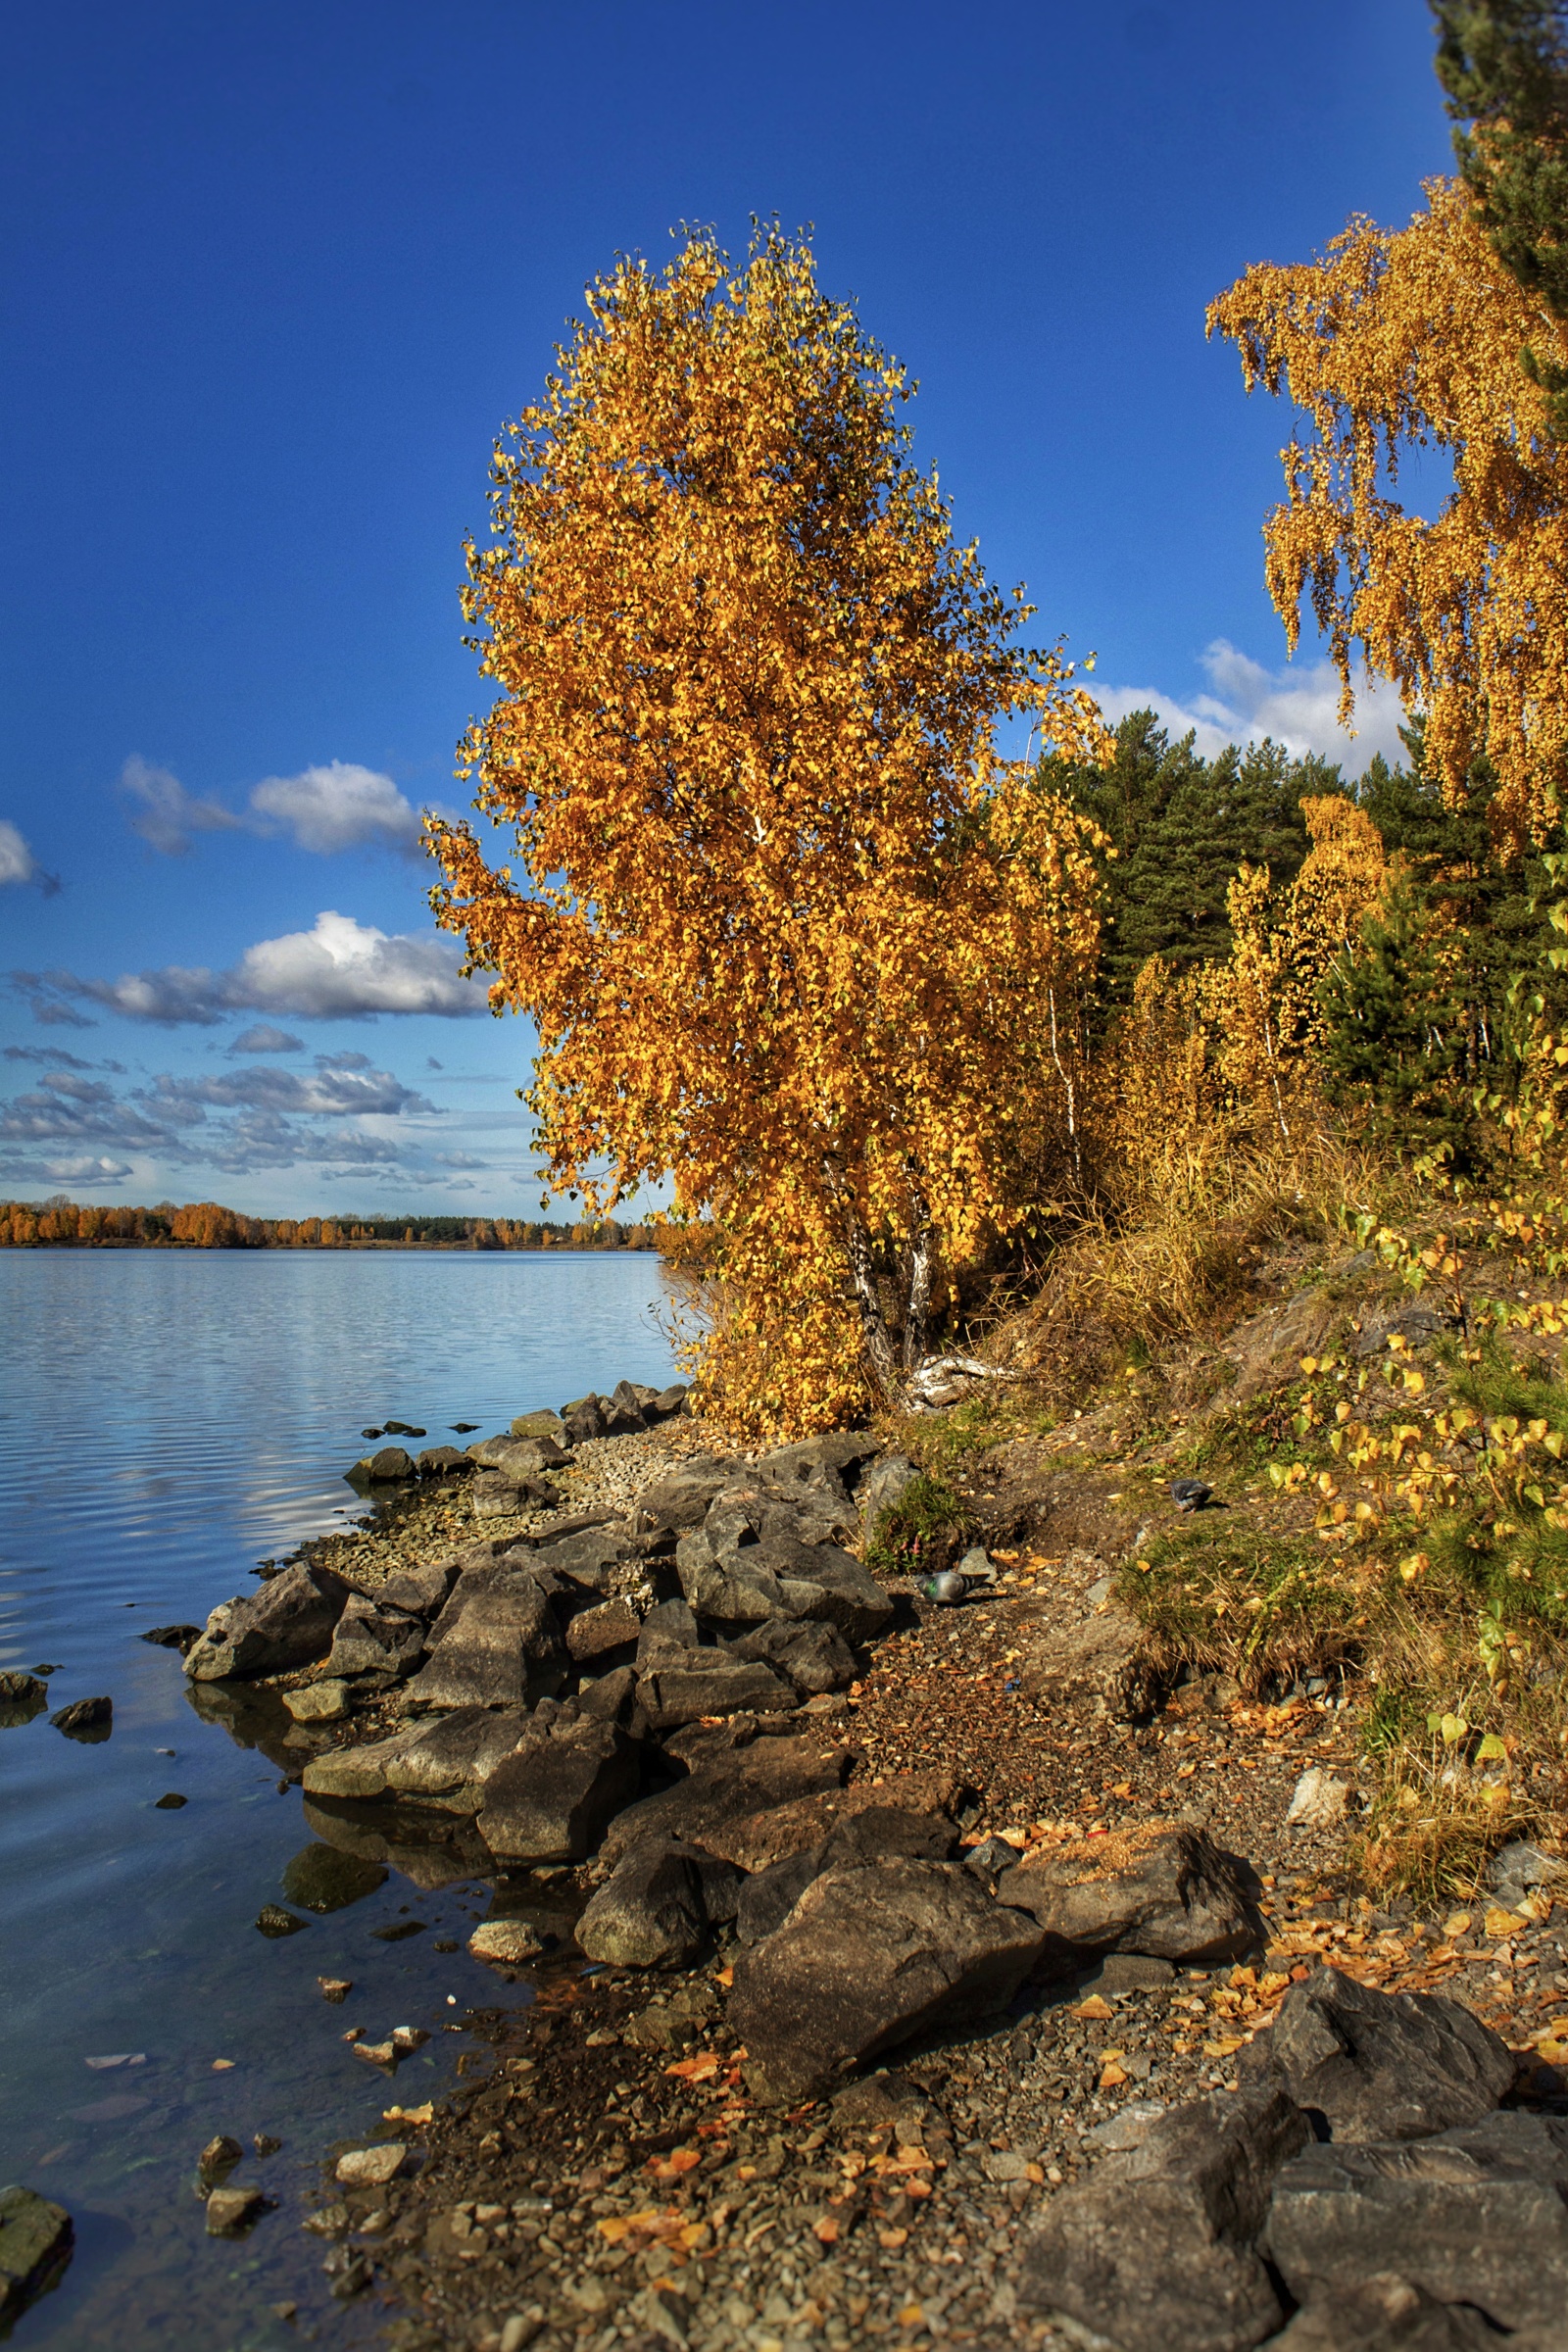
{"x":166,"y":1420}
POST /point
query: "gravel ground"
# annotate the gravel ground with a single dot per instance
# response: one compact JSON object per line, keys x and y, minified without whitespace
{"x":606,"y":2180}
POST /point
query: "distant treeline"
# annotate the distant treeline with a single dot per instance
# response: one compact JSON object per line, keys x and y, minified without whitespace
{"x":207,"y":1225}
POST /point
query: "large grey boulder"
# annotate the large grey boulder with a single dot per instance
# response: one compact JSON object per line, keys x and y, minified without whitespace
{"x":814,"y":1656}
{"x":1171,"y":1893}
{"x":680,"y":1501}
{"x":36,"y":2245}
{"x":691,"y":1684}
{"x":756,"y":1840}
{"x":419,"y":1591}
{"x":1476,"y":2215}
{"x":1388,"y":2314}
{"x":446,"y":1763}
{"x":866,"y":1958}
{"x":1157,"y":2247}
{"x":594,"y":1632}
{"x":552,"y":1800}
{"x":1380,"y":2066}
{"x":735,"y":1577}
{"x":656,"y":1908}
{"x":518,"y":1458}
{"x":373,"y":1639}
{"x":290,"y":1622}
{"x":728,"y":1781}
{"x":501,"y":1649}
{"x":543,"y":1424}
{"x":877,"y":1834}
{"x":590,"y":1558}
{"x":668,"y":1629}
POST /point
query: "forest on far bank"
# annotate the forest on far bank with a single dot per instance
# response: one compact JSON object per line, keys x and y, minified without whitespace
{"x":208,"y":1225}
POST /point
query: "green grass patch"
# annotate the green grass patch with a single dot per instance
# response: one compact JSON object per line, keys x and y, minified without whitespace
{"x":1261,"y":1609}
{"x":917,"y":1530}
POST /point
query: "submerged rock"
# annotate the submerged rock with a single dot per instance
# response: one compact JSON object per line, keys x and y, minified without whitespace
{"x":320,"y":1878}
{"x":85,"y":1719}
{"x":36,"y":2240}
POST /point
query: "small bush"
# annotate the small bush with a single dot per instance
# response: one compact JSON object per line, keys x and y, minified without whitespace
{"x":918,"y":1532}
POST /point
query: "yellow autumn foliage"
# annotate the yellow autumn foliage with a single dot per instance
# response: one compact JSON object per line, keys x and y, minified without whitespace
{"x":787,"y":926}
{"x":1392,"y":343}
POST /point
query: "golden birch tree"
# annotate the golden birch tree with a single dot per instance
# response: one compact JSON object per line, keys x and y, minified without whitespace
{"x":785,"y":923}
{"x":1392,"y":343}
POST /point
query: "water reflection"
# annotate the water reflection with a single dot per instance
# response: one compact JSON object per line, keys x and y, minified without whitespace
{"x":222,"y":1395}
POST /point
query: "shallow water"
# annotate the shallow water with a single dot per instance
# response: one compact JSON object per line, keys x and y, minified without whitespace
{"x":167,"y":1419}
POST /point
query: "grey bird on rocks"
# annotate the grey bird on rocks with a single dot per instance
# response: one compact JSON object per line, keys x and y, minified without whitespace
{"x":1190,"y":1494}
{"x":945,"y":1588}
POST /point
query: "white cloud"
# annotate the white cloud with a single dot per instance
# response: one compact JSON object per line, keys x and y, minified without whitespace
{"x":79,"y":1169}
{"x":1297,"y":707}
{"x":18,"y":862}
{"x":338,"y":807}
{"x":343,"y":968}
{"x":262,"y":1038}
{"x":340,"y":970}
{"x":325,"y":809}
{"x":165,"y":814}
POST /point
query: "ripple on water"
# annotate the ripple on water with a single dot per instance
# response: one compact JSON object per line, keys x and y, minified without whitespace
{"x":166,"y":1420}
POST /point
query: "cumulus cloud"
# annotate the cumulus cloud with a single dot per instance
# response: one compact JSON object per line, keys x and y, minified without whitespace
{"x":326,"y":1093}
{"x":237,"y":1121}
{"x":340,"y":806}
{"x":19,"y":864}
{"x":1296,"y":706}
{"x":262,"y":1038}
{"x":340,"y":970}
{"x":78,"y":1168}
{"x":164,"y":814}
{"x":49,"y":1059}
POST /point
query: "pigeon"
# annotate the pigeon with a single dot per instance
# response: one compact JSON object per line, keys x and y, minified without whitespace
{"x":1190,"y":1494}
{"x":945,"y":1588}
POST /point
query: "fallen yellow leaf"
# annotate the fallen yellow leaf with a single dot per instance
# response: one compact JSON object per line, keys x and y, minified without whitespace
{"x":1226,"y":2047}
{"x":1095,"y":2006}
{"x":1457,"y":1923}
{"x":1501,"y":1923}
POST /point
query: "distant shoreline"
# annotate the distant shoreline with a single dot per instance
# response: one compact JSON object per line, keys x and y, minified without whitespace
{"x":62,"y":1224}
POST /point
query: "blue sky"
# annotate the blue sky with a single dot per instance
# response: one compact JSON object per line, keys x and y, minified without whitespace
{"x":279,"y":273}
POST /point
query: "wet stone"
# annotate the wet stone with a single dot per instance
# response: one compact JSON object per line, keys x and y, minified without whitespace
{"x":233,"y":2210}
{"x":274,"y":1921}
{"x":85,"y":1719}
{"x":319,"y":1878}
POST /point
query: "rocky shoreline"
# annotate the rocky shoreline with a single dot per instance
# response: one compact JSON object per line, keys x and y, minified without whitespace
{"x":864,"y":1947}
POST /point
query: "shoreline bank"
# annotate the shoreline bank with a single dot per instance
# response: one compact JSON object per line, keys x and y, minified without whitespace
{"x":626,"y":2170}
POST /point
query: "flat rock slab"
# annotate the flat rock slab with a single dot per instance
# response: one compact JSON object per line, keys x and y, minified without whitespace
{"x":727,"y":1782}
{"x":502,"y":1647}
{"x":554,"y":1797}
{"x":1166,"y":2227}
{"x":756,"y":1840}
{"x":36,"y":2245}
{"x":447,"y":1764}
{"x":1476,"y":2215}
{"x":697,"y":1683}
{"x":1170,"y":1893}
{"x":869,"y":1957}
{"x":290,"y":1622}
{"x":1380,"y":2066}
